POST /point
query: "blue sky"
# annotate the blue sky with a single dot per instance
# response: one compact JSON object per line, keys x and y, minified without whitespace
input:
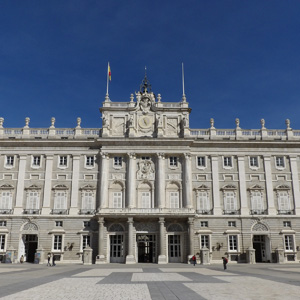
{"x":241,"y":58}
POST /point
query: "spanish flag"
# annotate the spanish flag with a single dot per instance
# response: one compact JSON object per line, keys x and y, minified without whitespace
{"x":109,"y":72}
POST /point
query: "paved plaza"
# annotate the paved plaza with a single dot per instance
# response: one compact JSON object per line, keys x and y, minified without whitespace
{"x":149,"y":281}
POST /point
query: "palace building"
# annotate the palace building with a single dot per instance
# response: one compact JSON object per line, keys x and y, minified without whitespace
{"x":147,"y":188}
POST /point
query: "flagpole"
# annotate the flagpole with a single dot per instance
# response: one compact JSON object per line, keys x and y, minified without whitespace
{"x":107,"y":79}
{"x":183,"y":92}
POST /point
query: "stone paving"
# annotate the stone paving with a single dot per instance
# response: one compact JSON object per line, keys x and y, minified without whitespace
{"x":145,"y":282}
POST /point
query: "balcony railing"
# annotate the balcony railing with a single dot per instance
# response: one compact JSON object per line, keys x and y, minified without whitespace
{"x":204,"y":212}
{"x":231,"y":212}
{"x":258,"y":212}
{"x":285,"y":212}
{"x":60,"y":212}
{"x":87,"y":211}
{"x":6,"y":211}
{"x":31,"y":211}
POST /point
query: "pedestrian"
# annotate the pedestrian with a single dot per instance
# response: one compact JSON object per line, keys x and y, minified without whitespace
{"x":22,"y":259}
{"x":53,"y":261}
{"x":194,"y":260}
{"x":225,"y":261}
{"x":49,"y":258}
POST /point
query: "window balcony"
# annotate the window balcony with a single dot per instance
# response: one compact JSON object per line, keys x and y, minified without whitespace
{"x":204,"y":212}
{"x":285,"y":212}
{"x":87,"y":211}
{"x":231,"y":212}
{"x":258,"y":212}
{"x":60,"y":212}
{"x":31,"y":211}
{"x":6,"y":211}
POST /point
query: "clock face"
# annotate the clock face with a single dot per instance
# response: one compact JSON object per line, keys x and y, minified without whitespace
{"x":145,"y":122}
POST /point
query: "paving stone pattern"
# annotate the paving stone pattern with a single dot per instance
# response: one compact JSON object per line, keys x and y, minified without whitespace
{"x":153,"y":282}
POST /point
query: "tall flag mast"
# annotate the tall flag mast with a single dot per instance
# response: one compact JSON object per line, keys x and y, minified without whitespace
{"x":108,"y":79}
{"x":183,"y":92}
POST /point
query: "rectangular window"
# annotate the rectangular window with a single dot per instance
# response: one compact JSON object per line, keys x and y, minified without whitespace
{"x":2,"y":242}
{"x":204,"y":223}
{"x":9,"y":161}
{"x":60,"y":201}
{"x":231,"y":223}
{"x":201,"y":161}
{"x":227,"y":161}
{"x":3,"y":223}
{"x":33,"y":200}
{"x":146,"y":200}
{"x":230,"y":202}
{"x":59,"y":223}
{"x":6,"y":200}
{"x":233,"y":246}
{"x":57,"y":243}
{"x":204,"y":241}
{"x":253,"y":161}
{"x":174,"y":200}
{"x":287,"y":224}
{"x":283,"y":201}
{"x":90,"y":161}
{"x":145,"y":158}
{"x":118,"y":161}
{"x":289,"y":242}
{"x":36,"y":161}
{"x":280,"y":161}
{"x":86,"y":224}
{"x":86,"y":241}
{"x":256,"y":201}
{"x":203,"y":204}
{"x":88,"y":200}
{"x":173,"y":161}
{"x":117,"y":200}
{"x":63,"y":161}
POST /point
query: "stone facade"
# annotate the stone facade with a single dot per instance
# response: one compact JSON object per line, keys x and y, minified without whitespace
{"x":147,"y":188}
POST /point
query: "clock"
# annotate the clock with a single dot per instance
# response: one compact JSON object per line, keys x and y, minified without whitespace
{"x":145,"y":122}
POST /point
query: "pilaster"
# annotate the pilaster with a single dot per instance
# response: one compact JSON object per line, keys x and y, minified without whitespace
{"x":160,"y":180}
{"x":216,"y":185}
{"x":242,"y":186}
{"x":269,"y":186}
{"x":187,"y":187}
{"x":131,"y":181}
{"x":20,"y":185}
{"x":104,"y":180}
{"x":101,"y":259}
{"x":130,"y":258}
{"x":75,"y":182}
{"x":295,"y":184}
{"x":191,"y":238}
{"x":47,"y":187}
{"x":162,"y":258}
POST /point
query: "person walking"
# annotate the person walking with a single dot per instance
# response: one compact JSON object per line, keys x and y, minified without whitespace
{"x":53,"y":261}
{"x":49,"y":258}
{"x":194,"y":260}
{"x":225,"y":261}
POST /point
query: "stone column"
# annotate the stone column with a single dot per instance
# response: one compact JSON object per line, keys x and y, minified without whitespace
{"x":162,"y":258}
{"x":101,"y":255}
{"x":242,"y":185}
{"x":191,"y":239}
{"x":160,"y":181}
{"x":47,"y":186}
{"x":20,"y":185}
{"x":130,"y":258}
{"x":187,"y":186}
{"x":269,"y":186}
{"x":295,"y":184}
{"x":104,"y":180}
{"x":131,"y":181}
{"x":75,"y":182}
{"x":216,"y":186}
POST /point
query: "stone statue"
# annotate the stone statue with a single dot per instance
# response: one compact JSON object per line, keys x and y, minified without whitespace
{"x":78,"y":122}
{"x":212,"y":123}
{"x":27,"y":120}
{"x":262,"y":122}
{"x":288,"y":124}
{"x":237,"y":123}
{"x":52,"y":122}
{"x":1,"y":122}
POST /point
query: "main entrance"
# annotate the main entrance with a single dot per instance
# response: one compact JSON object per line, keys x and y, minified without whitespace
{"x":31,"y":244}
{"x":174,"y":248}
{"x":259,"y":244}
{"x":146,"y":245}
{"x":116,"y":248}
